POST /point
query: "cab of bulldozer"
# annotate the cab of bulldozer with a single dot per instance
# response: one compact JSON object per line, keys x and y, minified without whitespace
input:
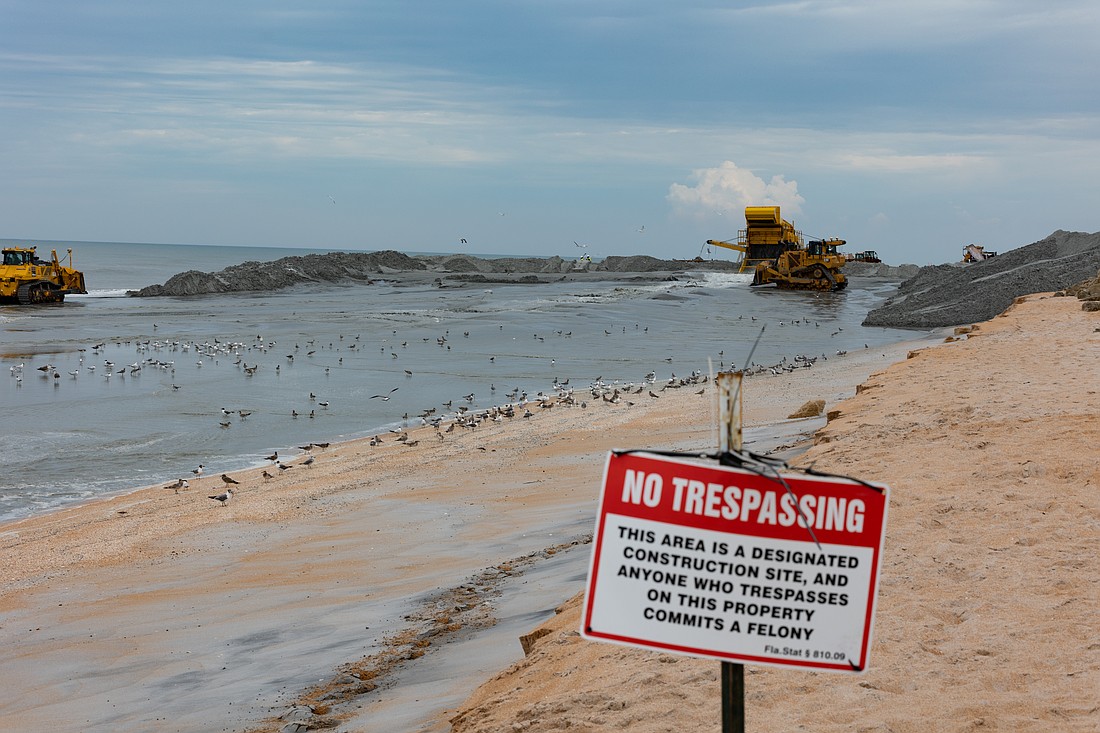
{"x":824,"y":247}
{"x":18,"y":256}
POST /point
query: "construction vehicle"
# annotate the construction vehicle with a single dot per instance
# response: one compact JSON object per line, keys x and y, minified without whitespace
{"x":775,"y":252}
{"x":25,"y":279}
{"x":976,"y":253}
{"x":866,"y":256}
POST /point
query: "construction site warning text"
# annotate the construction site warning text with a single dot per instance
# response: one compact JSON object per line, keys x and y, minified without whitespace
{"x":720,"y":562}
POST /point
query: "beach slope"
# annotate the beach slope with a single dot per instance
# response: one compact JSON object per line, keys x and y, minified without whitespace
{"x":991,"y":575}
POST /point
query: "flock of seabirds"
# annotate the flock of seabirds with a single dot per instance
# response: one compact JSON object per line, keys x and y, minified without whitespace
{"x":464,"y":416}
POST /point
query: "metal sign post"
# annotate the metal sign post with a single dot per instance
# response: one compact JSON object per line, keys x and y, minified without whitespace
{"x":731,"y":437}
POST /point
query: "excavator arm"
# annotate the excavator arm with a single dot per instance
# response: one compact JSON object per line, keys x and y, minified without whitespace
{"x":736,"y":246}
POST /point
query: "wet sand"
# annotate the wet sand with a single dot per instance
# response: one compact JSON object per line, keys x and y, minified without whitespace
{"x":326,"y":592}
{"x":990,"y":582}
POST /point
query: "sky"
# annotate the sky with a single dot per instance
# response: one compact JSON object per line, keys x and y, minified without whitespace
{"x":910,"y":127}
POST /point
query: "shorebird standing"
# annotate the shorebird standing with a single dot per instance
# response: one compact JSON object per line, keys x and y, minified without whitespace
{"x":267,"y":476}
{"x":229,"y":480}
{"x":198,"y":471}
{"x":223,"y":497}
{"x":179,"y":484}
{"x":308,"y":463}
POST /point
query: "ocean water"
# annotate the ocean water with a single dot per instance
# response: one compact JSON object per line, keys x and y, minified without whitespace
{"x":146,"y":389}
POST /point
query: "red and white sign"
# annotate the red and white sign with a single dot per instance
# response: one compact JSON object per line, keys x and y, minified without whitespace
{"x":718,"y":562}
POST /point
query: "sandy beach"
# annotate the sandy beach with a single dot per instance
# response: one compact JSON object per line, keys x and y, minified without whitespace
{"x":988,"y":599}
{"x":309,"y":596}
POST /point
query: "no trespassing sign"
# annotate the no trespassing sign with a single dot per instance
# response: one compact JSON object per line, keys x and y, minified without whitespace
{"x":721,"y":562}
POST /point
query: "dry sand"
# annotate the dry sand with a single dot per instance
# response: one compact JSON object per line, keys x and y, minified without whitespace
{"x":987,"y":618}
{"x":165,"y":611}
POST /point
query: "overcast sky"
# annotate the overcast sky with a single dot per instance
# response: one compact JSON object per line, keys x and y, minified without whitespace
{"x":912,"y":127}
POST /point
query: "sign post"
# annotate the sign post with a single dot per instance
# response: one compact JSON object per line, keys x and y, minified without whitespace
{"x":731,"y":437}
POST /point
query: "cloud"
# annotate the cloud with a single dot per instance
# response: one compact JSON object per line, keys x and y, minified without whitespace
{"x":729,"y":188}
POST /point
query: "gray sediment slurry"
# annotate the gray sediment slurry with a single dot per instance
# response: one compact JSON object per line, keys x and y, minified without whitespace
{"x":957,"y":294}
{"x":444,"y":270}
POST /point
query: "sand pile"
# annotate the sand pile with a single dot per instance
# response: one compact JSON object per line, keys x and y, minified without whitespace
{"x":367,"y":267}
{"x":1087,"y":291}
{"x":952,"y":295}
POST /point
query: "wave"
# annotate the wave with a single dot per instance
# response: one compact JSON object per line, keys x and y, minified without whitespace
{"x":113,"y":293}
{"x":726,"y":279}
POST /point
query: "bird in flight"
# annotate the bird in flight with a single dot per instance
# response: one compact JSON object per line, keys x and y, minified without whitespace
{"x":579,"y":244}
{"x":642,"y":230}
{"x":385,"y":397}
{"x":330,"y":198}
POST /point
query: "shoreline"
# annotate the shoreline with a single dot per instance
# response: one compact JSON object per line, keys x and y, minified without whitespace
{"x":988,"y":592}
{"x":241,"y":609}
{"x":113,"y":461}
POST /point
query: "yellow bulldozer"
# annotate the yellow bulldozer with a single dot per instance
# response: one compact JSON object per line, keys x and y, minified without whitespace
{"x":26,"y":280}
{"x":777,"y":253}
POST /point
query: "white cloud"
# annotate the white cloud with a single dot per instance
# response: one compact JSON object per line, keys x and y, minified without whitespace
{"x":729,"y":188}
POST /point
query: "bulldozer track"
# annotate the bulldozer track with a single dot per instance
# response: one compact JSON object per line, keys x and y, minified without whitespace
{"x":41,"y":291}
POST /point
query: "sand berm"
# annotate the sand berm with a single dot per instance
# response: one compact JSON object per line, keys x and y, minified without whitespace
{"x":990,"y":585}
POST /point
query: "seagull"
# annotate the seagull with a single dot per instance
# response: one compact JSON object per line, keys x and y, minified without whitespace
{"x":229,"y":479}
{"x":198,"y":471}
{"x":180,"y":484}
{"x":308,"y":462}
{"x":385,"y":397}
{"x":267,"y":476}
{"x":273,"y":457}
{"x":642,"y":230}
{"x":223,"y":497}
{"x":579,"y":244}
{"x":332,"y":200}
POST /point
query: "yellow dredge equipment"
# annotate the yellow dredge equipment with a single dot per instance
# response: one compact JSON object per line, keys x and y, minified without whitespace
{"x":26,"y":280}
{"x":775,"y":252}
